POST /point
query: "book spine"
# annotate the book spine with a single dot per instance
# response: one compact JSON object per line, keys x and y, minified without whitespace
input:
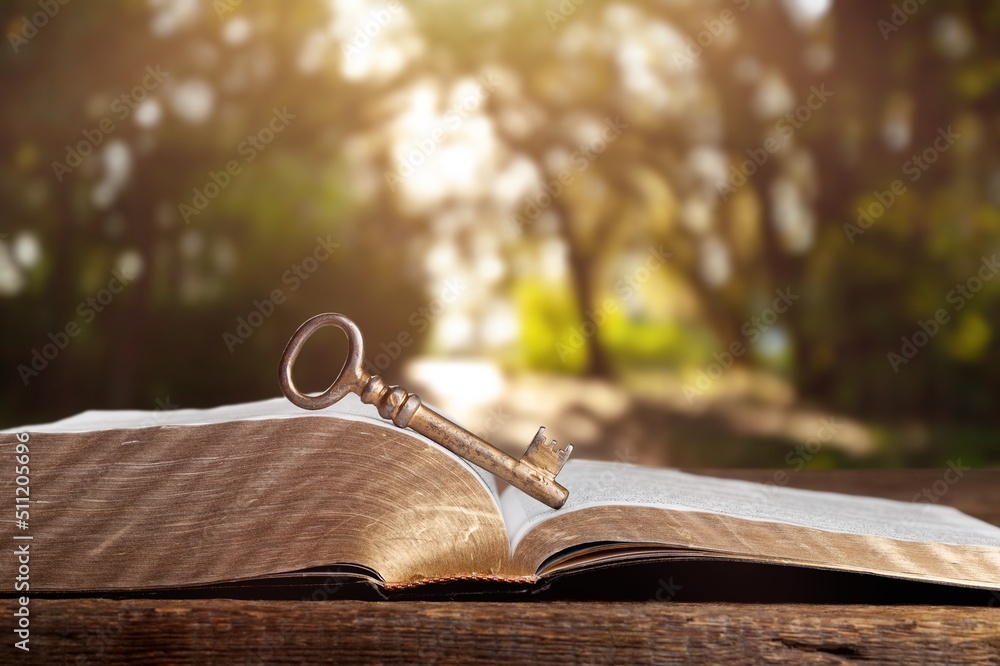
{"x":530,"y":580}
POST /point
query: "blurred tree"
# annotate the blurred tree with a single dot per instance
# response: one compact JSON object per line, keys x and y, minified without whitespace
{"x":433,"y":137}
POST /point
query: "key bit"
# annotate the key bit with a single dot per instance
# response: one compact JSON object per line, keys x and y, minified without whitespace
{"x":545,"y":457}
{"x":534,"y":474}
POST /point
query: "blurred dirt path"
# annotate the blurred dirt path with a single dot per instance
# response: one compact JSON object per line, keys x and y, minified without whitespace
{"x":643,"y":419}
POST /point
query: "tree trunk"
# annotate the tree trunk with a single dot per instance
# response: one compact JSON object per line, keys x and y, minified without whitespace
{"x":597,"y":363}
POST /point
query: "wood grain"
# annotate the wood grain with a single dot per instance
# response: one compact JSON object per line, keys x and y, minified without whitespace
{"x":216,"y":631}
{"x":92,"y":631}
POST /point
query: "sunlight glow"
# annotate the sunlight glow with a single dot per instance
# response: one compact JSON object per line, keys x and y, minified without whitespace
{"x":807,"y":12}
{"x":236,"y":30}
{"x":697,"y":214}
{"x":715,"y":264}
{"x":952,"y":37}
{"x":11,"y":278}
{"x":794,"y":220}
{"x":376,"y":39}
{"x":655,"y":75}
{"x":148,"y":113}
{"x":130,"y":264}
{"x":193,"y":100}
{"x":171,"y":15}
{"x":27,"y":249}
{"x":774,"y":97}
{"x":897,"y":123}
{"x":501,"y":325}
{"x":117,"y":161}
{"x":488,"y":382}
{"x":453,"y":331}
{"x":443,"y":146}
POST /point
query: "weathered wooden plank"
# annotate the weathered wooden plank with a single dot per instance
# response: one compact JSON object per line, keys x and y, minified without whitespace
{"x":92,"y":631}
{"x":86,"y":631}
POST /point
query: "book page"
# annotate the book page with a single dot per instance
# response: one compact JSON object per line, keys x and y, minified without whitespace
{"x":162,"y":500}
{"x":593,"y":484}
{"x":348,"y":408}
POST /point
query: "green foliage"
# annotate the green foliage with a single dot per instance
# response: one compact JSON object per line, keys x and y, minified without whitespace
{"x":324,"y":175}
{"x":549,"y":317}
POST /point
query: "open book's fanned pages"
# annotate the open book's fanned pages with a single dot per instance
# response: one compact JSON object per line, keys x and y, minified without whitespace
{"x":243,"y":492}
{"x":266,"y":493}
{"x":617,"y":511}
{"x":348,"y":408}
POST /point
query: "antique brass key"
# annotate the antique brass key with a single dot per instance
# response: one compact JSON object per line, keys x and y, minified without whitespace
{"x":535,"y":473}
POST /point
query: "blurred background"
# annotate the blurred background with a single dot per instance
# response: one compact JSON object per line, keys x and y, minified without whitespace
{"x":696,"y":233}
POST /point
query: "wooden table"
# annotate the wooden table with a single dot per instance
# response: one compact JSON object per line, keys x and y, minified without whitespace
{"x":91,"y":631}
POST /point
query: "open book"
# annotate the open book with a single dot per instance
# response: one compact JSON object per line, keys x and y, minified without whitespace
{"x":132,"y":501}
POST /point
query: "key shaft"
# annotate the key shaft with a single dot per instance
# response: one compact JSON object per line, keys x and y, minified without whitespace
{"x":406,"y":410}
{"x":479,"y":452}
